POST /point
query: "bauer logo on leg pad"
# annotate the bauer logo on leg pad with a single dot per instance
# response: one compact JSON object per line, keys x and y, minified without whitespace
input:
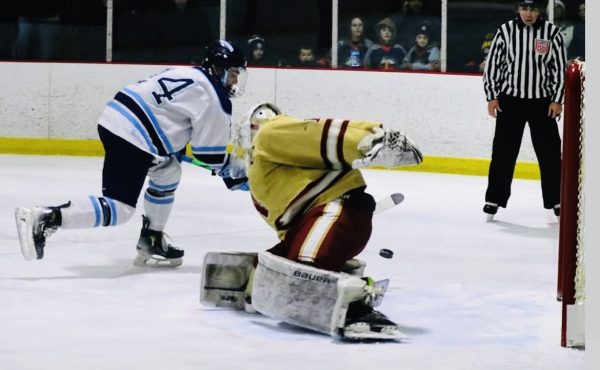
{"x":314,"y":277}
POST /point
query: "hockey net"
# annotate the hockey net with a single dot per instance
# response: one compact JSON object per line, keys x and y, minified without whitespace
{"x":571,"y":260}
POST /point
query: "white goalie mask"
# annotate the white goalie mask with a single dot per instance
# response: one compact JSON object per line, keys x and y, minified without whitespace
{"x":242,"y":134}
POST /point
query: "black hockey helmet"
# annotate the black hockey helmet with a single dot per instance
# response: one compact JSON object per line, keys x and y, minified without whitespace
{"x":220,"y":59}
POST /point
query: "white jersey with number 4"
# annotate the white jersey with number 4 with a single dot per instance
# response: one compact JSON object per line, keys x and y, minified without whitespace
{"x":163,"y":113}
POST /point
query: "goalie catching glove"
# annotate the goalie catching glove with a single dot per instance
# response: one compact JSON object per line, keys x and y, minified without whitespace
{"x":388,"y":148}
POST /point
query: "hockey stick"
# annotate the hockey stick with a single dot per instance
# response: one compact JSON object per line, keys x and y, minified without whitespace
{"x":388,"y":202}
{"x":382,"y":205}
{"x":196,"y":162}
{"x":199,"y":163}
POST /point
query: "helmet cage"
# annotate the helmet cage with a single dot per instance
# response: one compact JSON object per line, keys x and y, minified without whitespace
{"x":243,"y":133}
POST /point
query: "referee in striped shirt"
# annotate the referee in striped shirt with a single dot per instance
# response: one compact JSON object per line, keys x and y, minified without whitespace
{"x":524,"y":82}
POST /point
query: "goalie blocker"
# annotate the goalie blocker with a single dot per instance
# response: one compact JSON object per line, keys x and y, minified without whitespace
{"x":337,"y":304}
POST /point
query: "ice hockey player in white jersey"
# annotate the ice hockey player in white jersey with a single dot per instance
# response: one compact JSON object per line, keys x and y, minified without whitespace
{"x":144,"y":129}
{"x":306,"y":184}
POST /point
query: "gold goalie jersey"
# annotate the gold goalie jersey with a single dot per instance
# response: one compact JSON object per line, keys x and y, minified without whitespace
{"x":298,"y":164}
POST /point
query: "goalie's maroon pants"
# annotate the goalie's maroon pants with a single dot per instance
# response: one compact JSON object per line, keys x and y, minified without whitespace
{"x":328,"y":235}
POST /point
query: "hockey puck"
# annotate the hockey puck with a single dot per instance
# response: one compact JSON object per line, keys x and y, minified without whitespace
{"x":386,"y":253}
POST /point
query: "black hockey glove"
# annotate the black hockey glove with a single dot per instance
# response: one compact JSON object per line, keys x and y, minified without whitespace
{"x":236,"y":184}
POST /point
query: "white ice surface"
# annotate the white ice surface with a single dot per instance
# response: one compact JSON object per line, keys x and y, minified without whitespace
{"x":470,"y":294}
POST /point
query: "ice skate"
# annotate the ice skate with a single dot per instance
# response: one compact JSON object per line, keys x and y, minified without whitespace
{"x":490,"y":209}
{"x":34,"y":225}
{"x":363,"y":322}
{"x":153,"y":249}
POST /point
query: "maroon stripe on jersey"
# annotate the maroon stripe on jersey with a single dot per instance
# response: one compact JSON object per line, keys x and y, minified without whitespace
{"x":340,"y":145}
{"x":262,"y":210}
{"x":324,"y":144}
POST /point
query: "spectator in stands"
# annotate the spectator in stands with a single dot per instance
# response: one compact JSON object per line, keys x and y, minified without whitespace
{"x":38,"y":29}
{"x":577,"y":47}
{"x":257,"y":52}
{"x":412,"y":14}
{"x":387,"y":54}
{"x":478,"y":64}
{"x":352,"y":48}
{"x":422,"y":56}
{"x":566,"y":28}
{"x":306,"y":57}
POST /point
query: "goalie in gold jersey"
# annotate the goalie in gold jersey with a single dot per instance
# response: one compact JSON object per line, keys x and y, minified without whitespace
{"x":305,"y":182}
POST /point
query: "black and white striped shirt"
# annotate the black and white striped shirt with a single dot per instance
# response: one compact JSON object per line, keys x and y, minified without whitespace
{"x":526,"y":62}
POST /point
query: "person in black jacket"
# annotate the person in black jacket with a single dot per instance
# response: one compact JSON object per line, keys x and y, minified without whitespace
{"x":524,"y":82}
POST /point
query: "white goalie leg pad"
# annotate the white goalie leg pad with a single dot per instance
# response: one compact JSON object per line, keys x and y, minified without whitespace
{"x":303,"y":295}
{"x":95,"y":211}
{"x":225,"y":278}
{"x":160,"y":194}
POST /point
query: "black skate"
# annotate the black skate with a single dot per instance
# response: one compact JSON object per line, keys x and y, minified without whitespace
{"x":34,"y":225}
{"x":364,"y":322}
{"x":491,"y":209}
{"x":154,"y":250}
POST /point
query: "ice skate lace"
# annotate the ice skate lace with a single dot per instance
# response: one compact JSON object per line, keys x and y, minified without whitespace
{"x":47,"y":230}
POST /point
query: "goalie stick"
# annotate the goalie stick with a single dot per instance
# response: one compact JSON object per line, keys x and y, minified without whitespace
{"x":388,"y":202}
{"x":382,"y":205}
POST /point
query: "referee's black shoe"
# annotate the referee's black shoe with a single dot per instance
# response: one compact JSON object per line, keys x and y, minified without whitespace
{"x":490,"y":208}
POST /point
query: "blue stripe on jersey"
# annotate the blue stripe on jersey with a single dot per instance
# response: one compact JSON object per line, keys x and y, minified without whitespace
{"x":141,"y":116}
{"x":219,"y":89}
{"x":169,"y":187}
{"x":153,"y":119}
{"x":135,"y":123}
{"x":206,"y":149}
{"x":97,"y":210}
{"x":113,"y":211}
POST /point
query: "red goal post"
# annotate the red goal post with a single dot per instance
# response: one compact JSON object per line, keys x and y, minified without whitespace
{"x":571,"y":259}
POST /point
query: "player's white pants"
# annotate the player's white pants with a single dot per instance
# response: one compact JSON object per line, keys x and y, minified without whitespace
{"x":95,"y":211}
{"x":160,"y":194}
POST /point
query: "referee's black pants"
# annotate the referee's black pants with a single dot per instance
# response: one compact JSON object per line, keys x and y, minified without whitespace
{"x":510,"y":124}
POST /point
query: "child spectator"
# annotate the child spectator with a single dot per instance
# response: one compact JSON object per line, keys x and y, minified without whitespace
{"x":257,"y":54}
{"x":306,"y":57}
{"x":386,"y":54}
{"x":422,"y":56}
{"x":414,"y":13}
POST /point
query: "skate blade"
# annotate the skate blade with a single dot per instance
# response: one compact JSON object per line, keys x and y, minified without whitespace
{"x":24,"y":220}
{"x":361,"y":330}
{"x":145,"y":259}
